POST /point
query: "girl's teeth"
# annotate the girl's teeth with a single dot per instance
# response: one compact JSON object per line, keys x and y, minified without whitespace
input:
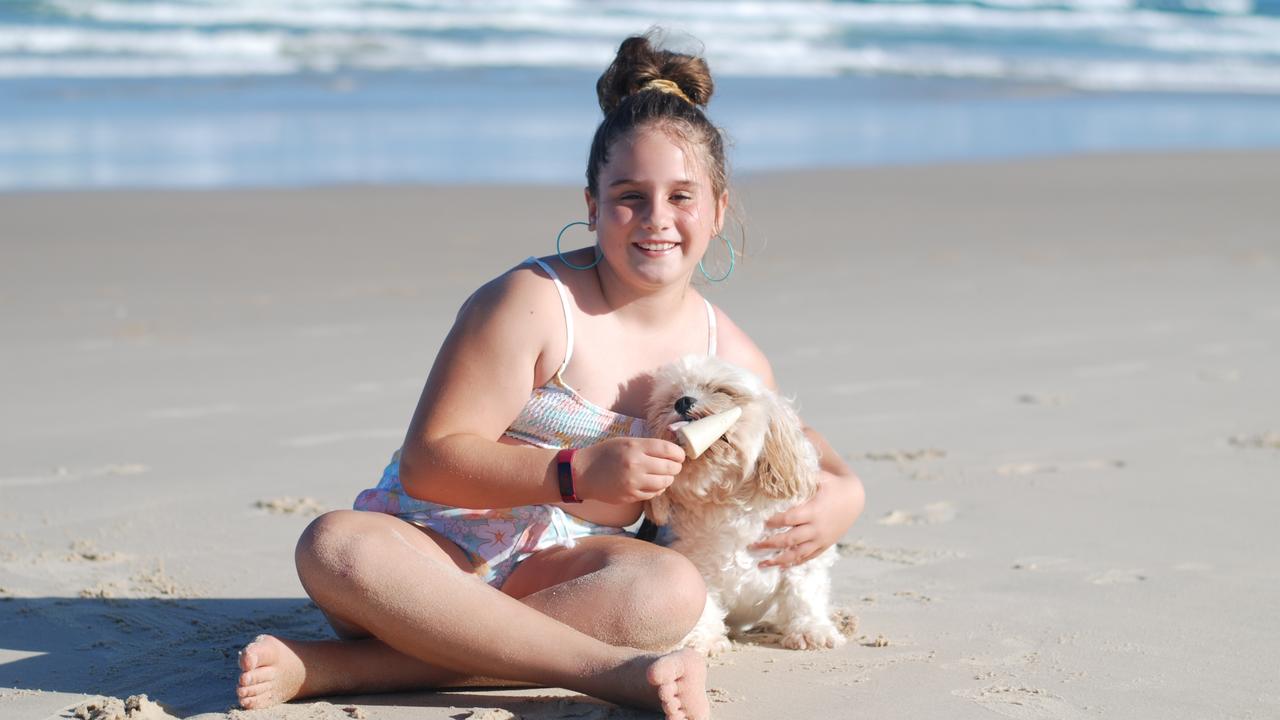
{"x":657,"y":246}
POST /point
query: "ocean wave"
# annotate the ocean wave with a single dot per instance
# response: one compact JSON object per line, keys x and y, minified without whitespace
{"x":1149,"y":30}
{"x":749,"y":19}
{"x":432,"y":14}
{"x":1212,"y":45}
{"x":1238,"y":76}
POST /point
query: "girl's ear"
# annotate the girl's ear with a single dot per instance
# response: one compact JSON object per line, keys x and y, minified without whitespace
{"x":722,"y":206}
{"x":591,"y":209}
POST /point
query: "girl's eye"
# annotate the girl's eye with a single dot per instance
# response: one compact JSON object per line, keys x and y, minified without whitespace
{"x":682,"y":197}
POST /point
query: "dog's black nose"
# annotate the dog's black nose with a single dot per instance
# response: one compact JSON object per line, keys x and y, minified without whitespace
{"x":683,"y":405}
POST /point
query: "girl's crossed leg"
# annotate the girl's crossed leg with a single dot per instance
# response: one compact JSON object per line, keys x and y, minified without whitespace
{"x":414,"y":617}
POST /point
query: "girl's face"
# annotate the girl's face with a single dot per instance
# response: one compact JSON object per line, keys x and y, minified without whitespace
{"x":656,"y":211}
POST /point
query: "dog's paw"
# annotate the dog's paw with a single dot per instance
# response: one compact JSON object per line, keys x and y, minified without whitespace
{"x":821,"y":637}
{"x":709,"y":645}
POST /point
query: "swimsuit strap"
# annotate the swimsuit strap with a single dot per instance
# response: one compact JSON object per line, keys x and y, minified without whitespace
{"x":711,"y":328}
{"x":568,"y":314}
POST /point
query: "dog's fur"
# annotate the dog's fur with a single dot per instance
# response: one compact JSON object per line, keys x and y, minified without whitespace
{"x":720,"y":501}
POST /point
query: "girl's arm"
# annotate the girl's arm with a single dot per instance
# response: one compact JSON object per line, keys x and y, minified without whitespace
{"x":507,"y":336}
{"x":822,"y":520}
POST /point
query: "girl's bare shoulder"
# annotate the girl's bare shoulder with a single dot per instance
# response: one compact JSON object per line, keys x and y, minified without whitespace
{"x":521,"y":294}
{"x":517,"y":311}
{"x":735,"y":345}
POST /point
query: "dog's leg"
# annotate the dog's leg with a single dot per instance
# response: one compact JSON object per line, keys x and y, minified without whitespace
{"x":710,"y":636}
{"x":804,"y":609}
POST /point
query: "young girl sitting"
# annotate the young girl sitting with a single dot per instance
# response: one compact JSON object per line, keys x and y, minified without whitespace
{"x":493,"y":549}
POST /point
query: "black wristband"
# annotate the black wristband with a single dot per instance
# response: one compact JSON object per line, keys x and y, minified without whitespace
{"x":564,"y":473}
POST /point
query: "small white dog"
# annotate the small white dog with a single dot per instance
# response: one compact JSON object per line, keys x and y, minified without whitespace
{"x":720,"y":501}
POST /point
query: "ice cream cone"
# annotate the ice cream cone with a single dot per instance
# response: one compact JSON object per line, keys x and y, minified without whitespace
{"x":698,"y":435}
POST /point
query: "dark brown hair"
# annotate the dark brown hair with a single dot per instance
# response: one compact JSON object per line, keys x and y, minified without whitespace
{"x":629,"y":106}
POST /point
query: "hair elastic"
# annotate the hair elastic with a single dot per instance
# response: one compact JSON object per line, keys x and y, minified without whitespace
{"x":666,"y":86}
{"x":579,"y":267}
{"x":733,"y":261}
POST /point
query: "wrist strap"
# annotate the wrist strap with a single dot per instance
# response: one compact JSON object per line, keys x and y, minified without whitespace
{"x":564,"y":473}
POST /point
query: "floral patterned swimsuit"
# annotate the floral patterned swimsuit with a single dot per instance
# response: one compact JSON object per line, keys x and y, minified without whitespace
{"x":556,"y":416}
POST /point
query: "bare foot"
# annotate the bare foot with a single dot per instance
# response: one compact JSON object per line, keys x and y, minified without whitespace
{"x":673,"y":683}
{"x":681,"y":680}
{"x":270,"y":673}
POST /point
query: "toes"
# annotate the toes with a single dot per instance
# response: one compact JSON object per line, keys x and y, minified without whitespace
{"x":256,"y":696}
{"x":672,"y":709}
{"x":258,"y":653}
{"x":260,"y":690}
{"x":255,"y":677}
{"x":668,"y":695}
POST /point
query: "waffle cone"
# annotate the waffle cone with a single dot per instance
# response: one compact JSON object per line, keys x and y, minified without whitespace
{"x":698,"y":435}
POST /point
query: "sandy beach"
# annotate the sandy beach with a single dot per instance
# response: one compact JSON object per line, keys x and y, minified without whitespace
{"x":1056,"y":378}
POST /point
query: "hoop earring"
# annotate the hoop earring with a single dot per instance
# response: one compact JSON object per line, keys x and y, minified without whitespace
{"x":561,"y":255}
{"x":733,"y":261}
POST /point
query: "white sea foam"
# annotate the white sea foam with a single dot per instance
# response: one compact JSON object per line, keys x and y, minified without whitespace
{"x":1216,"y":75}
{"x":1095,"y":44}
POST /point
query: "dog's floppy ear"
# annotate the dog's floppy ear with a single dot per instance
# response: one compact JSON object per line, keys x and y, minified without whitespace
{"x":784,"y":468}
{"x":658,"y":509}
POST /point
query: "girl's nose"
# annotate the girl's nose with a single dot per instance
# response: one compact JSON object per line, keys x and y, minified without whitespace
{"x":658,"y":217}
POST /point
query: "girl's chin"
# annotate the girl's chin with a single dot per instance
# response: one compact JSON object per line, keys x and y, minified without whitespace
{"x":654,"y":278}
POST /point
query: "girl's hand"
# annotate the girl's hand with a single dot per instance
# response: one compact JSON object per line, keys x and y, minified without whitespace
{"x":816,"y":524}
{"x":626,"y":470}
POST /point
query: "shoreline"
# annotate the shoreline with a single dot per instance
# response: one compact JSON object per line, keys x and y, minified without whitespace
{"x":739,"y":177}
{"x":1054,"y":376}
{"x":454,"y":127}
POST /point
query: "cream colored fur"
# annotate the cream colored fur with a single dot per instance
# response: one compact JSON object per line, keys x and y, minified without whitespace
{"x":720,"y":501}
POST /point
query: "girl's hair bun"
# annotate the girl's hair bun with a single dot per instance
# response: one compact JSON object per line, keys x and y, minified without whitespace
{"x":639,"y":61}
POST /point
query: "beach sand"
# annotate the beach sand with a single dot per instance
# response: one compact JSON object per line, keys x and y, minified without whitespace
{"x":1057,"y":379}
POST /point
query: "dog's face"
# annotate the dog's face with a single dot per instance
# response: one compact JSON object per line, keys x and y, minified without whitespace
{"x":764,"y":454}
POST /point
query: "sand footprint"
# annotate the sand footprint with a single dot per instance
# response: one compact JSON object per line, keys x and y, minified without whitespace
{"x":304,"y":506}
{"x":906,"y":456}
{"x":1036,"y":468}
{"x":895,"y":555}
{"x":1117,"y":577}
{"x":1022,"y":703}
{"x":906,"y":461}
{"x":83,"y":550}
{"x":1269,"y":440}
{"x":933,"y":514}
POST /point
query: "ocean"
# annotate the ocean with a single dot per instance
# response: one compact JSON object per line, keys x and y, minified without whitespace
{"x":245,"y":93}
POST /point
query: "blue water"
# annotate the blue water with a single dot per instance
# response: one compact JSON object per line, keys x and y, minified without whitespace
{"x":198,"y":93}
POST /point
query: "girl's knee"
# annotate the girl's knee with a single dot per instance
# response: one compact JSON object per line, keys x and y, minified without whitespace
{"x":672,"y":582}
{"x":331,"y":546}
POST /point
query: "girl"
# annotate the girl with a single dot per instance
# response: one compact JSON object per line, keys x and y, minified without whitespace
{"x":531,"y":407}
